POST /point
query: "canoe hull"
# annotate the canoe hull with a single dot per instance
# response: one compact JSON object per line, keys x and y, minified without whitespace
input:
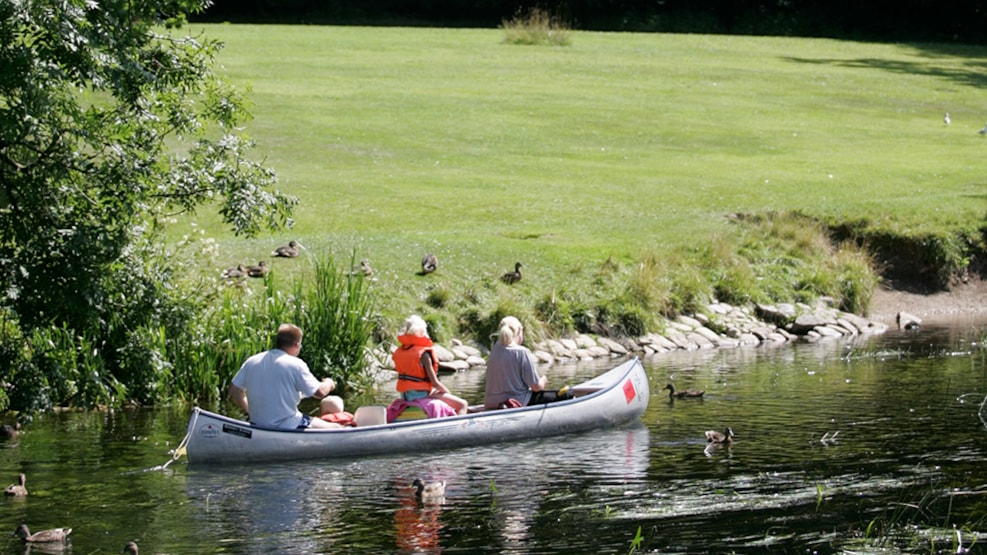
{"x":620,"y":395}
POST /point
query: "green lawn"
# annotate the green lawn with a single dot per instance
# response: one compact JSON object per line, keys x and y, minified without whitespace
{"x":404,"y":141}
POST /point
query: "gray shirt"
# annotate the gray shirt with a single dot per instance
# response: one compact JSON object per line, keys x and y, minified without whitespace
{"x":511,"y":371}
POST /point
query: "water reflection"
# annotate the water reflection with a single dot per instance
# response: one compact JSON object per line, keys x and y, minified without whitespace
{"x":416,"y":522}
{"x":314,"y":508}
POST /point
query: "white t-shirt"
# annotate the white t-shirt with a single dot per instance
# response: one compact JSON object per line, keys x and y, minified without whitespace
{"x":275,"y":382}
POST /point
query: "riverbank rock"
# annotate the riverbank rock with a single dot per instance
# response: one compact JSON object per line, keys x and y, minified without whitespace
{"x":720,"y":325}
{"x":908,"y":321}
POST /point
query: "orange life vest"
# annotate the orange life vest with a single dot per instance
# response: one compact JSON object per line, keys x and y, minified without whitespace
{"x":407,"y":362}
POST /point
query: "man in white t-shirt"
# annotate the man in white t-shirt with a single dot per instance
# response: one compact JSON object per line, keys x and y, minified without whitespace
{"x":269,"y":385}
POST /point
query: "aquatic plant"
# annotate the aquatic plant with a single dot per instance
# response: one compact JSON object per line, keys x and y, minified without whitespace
{"x":910,"y":524}
{"x":636,"y":542}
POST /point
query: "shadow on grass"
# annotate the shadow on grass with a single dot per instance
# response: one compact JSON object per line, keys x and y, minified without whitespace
{"x":974,"y":72}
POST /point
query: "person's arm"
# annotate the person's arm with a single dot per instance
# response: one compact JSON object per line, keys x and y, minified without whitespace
{"x":325,"y":388}
{"x":426,"y":362}
{"x":529,"y":368}
{"x":239,"y":397}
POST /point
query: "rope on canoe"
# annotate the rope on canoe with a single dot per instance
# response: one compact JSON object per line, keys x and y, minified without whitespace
{"x":179,"y":451}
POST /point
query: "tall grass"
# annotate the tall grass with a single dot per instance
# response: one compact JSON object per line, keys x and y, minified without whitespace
{"x":536,"y":26}
{"x":335,"y":309}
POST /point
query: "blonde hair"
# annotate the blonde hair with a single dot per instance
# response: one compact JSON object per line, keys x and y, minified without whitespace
{"x":510,"y":331}
{"x":414,"y":325}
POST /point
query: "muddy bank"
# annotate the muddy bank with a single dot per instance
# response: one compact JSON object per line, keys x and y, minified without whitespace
{"x":967,"y":301}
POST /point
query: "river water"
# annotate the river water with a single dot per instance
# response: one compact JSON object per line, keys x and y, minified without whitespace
{"x":870,"y":445}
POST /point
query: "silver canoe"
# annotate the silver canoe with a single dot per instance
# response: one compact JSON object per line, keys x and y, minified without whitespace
{"x":619,"y":395}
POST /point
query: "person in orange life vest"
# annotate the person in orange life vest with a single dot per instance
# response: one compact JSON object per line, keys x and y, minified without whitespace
{"x":416,"y":364}
{"x":331,"y":410}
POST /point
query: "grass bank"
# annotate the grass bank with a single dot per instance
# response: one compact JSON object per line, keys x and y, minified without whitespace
{"x":629,"y":173}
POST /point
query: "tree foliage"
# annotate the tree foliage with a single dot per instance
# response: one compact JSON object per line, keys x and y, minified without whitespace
{"x":111,"y":122}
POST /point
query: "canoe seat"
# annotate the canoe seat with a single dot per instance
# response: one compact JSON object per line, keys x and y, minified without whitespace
{"x":370,"y":415}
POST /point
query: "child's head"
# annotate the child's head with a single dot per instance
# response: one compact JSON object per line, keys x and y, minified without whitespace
{"x":414,"y":325}
{"x":331,"y":404}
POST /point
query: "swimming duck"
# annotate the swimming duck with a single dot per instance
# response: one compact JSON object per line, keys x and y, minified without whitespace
{"x":130,"y":548}
{"x":674,"y":394}
{"x":54,"y":535}
{"x":18,"y":489}
{"x":286,"y":251}
{"x":512,"y":277}
{"x":430,"y":492}
{"x":712,"y":436}
{"x":10,"y":431}
{"x":429,"y":263}
{"x":258,"y":271}
{"x":234,"y":273}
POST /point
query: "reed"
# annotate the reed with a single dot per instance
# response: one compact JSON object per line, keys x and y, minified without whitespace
{"x":926,"y":521}
{"x":334,"y":308}
{"x":636,"y":542}
{"x":337,"y":311}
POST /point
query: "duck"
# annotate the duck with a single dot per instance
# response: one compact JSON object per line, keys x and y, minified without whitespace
{"x":18,"y":489}
{"x":366,"y":269}
{"x":429,"y":263}
{"x":10,"y":431}
{"x":512,"y":277}
{"x":712,"y":436}
{"x":287,"y":251}
{"x":688,"y":393}
{"x":54,"y":535}
{"x":429,"y":492}
{"x":258,"y":271}
{"x":235,"y":273}
{"x":131,"y":548}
